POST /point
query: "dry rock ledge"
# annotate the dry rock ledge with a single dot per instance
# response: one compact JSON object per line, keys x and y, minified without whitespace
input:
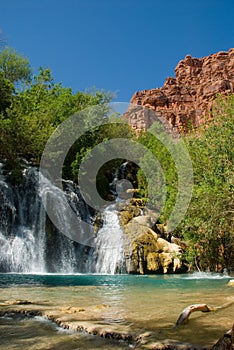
{"x":69,"y":318}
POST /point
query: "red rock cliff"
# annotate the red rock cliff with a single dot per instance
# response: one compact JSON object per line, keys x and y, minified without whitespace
{"x":187,"y":98}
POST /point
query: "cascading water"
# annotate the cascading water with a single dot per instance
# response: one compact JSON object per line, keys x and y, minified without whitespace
{"x":22,"y":220}
{"x":29,"y":242}
{"x":60,"y":252}
{"x":110,"y":244}
{"x":118,"y":175}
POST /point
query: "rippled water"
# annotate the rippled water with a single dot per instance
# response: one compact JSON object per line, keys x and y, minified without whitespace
{"x":137,"y":303}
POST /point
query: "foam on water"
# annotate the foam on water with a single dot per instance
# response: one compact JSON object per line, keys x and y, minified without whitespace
{"x":207,"y":275}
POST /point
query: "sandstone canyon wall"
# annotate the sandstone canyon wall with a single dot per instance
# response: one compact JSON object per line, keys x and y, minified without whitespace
{"x":186,"y":99}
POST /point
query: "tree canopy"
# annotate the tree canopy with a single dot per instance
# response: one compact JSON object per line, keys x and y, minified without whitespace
{"x":14,"y":67}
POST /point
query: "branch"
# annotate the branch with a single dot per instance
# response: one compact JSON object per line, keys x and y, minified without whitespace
{"x":184,"y":316}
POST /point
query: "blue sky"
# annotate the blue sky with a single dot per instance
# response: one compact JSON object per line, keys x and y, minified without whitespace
{"x":122,"y":46}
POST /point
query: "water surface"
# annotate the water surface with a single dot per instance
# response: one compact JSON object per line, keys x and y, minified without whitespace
{"x":137,"y":304}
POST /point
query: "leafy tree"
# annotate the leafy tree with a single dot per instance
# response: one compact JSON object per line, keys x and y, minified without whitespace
{"x":99,"y":136}
{"x":29,"y":116}
{"x":209,"y":224}
{"x":6,"y":91}
{"x":14,"y":67}
{"x":165,"y":159}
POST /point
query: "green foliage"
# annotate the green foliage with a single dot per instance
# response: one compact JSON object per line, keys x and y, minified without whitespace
{"x":154,"y":179}
{"x":84,"y":145}
{"x":6,"y":91}
{"x":209,"y":223}
{"x":30,"y":114}
{"x":14,"y":67}
{"x":32,"y":107}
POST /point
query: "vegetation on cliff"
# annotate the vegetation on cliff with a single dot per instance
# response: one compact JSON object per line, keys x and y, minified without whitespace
{"x":32,"y":106}
{"x":209,"y":223}
{"x":208,"y":226}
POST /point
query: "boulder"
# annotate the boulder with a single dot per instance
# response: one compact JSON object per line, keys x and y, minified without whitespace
{"x":127,"y":212}
{"x":147,"y":252}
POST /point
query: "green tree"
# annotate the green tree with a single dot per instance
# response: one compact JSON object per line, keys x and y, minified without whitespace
{"x":14,"y":67}
{"x":6,"y":91}
{"x":93,"y":137}
{"x":29,"y":116}
{"x":209,"y":224}
{"x":165,"y":159}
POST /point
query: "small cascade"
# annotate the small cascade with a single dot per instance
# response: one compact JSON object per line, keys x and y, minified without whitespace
{"x":118,"y":175}
{"x":110,"y":244}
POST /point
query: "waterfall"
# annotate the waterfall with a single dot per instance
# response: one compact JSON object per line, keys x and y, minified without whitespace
{"x":110,"y":244}
{"x":60,"y":252}
{"x":22,"y":221}
{"x":29,"y":241}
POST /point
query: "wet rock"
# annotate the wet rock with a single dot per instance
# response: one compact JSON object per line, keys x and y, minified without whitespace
{"x":144,"y":220}
{"x":127,"y":212}
{"x":72,"y":310}
{"x":148,"y":252}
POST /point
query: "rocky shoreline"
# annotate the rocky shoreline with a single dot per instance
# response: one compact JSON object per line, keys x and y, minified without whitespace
{"x":77,"y":319}
{"x":138,"y":342}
